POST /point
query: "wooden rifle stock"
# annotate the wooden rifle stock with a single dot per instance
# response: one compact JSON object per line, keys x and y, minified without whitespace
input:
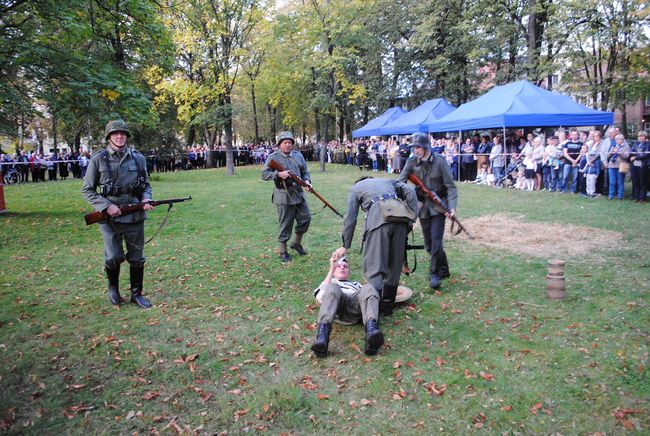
{"x":438,"y":202}
{"x":274,"y":165}
{"x":127,"y":209}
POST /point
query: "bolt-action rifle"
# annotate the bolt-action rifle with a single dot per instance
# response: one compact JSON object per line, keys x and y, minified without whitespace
{"x":126,"y":209}
{"x":440,"y":204}
{"x":274,"y":165}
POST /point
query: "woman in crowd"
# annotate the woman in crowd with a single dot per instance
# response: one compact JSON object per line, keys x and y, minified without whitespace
{"x":538,"y":157}
{"x":618,"y":152}
{"x":496,"y":160}
{"x":639,"y":158}
{"x":467,"y":162}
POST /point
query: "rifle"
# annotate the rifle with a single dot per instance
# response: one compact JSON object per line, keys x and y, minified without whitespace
{"x":438,"y":202}
{"x":274,"y":165}
{"x":127,"y":209}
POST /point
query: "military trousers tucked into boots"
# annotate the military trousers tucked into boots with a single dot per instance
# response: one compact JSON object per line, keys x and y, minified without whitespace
{"x":287,"y":214}
{"x":362,"y":305}
{"x":117,"y":236}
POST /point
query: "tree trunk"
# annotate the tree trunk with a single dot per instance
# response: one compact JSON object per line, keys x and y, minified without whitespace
{"x":317,"y":125}
{"x":54,"y":134}
{"x":191,"y":136}
{"x":257,"y":128}
{"x":230,"y":162}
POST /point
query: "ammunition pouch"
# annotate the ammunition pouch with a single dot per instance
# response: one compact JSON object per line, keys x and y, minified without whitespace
{"x":288,"y":182}
{"x":109,"y":190}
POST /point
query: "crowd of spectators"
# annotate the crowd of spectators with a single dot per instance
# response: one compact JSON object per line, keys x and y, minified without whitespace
{"x":38,"y":167}
{"x":575,"y":161}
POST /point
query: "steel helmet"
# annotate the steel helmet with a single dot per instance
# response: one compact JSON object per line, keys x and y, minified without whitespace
{"x":420,"y":140}
{"x":285,"y":135}
{"x":116,"y":126}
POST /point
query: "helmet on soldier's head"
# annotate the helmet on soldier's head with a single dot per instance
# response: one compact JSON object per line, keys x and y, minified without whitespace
{"x":285,"y":135}
{"x":116,"y":126}
{"x":420,"y":140}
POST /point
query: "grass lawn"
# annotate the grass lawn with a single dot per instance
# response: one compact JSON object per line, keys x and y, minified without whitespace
{"x":226,"y":346}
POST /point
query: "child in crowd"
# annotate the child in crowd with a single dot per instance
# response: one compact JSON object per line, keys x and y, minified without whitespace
{"x":481,"y":176}
{"x":490,"y":180}
{"x":590,"y":167}
{"x":529,"y":172}
{"x":520,"y":180}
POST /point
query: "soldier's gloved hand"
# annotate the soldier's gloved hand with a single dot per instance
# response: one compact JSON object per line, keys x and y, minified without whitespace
{"x":113,"y":210}
{"x":147,"y":206}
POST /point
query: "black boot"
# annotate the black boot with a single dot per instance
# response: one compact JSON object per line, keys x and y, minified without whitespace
{"x":322,"y":340}
{"x":442,"y":265}
{"x":114,"y":285}
{"x":137,"y":274}
{"x":374,"y":338}
{"x":387,"y":302}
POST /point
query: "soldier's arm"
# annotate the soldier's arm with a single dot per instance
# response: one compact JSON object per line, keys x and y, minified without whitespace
{"x":350,"y":221}
{"x":89,"y":187}
{"x":448,"y":180}
{"x":268,"y":173}
{"x":147,"y":193}
{"x":409,"y":195}
{"x":408,"y":169}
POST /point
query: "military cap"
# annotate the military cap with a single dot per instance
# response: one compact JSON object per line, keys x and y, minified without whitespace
{"x":285,"y":135}
{"x":420,"y":140}
{"x":116,"y":126}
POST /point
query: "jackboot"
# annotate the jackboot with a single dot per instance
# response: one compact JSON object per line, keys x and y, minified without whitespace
{"x":297,"y":245}
{"x":284,"y":254}
{"x":137,"y":274}
{"x":319,"y":347}
{"x":114,"y":285}
{"x":374,"y":338}
{"x":387,"y":302}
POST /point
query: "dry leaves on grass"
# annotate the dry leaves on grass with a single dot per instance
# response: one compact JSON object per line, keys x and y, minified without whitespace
{"x":539,"y":239}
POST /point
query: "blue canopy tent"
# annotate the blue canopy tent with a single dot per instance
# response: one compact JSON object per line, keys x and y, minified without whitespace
{"x":520,"y":104}
{"x":419,"y":118}
{"x":373,"y":126}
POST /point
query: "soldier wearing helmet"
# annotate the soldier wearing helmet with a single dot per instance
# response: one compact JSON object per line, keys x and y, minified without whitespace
{"x":289,"y":197}
{"x":435,"y":172}
{"x":117,"y":175}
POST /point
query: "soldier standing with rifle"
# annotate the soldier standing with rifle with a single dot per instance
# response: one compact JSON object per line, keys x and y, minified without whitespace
{"x":435,"y":172}
{"x":289,"y":196}
{"x":120,"y":174}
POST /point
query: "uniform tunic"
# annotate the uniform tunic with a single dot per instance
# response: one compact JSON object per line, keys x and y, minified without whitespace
{"x":123,"y":169}
{"x":383,"y":242}
{"x":288,"y":196}
{"x":436,"y":175}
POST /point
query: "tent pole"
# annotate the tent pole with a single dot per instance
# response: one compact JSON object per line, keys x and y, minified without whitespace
{"x":459,"y":156}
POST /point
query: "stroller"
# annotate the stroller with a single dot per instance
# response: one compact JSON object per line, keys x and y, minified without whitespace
{"x":508,"y":179}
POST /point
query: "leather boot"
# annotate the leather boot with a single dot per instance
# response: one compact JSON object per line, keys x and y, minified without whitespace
{"x":137,"y":274}
{"x":387,"y":302}
{"x":284,"y":255}
{"x":374,"y":338}
{"x":319,"y":346}
{"x":442,"y":266}
{"x":114,"y":285}
{"x":297,"y":245}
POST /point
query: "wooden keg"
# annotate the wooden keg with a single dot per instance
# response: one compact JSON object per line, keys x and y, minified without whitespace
{"x":556,"y":267}
{"x":555,"y":287}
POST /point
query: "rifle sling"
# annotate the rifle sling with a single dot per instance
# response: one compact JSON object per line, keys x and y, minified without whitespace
{"x":164,"y":221}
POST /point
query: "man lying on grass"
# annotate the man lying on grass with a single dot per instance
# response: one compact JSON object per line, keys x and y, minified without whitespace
{"x":349,"y":302}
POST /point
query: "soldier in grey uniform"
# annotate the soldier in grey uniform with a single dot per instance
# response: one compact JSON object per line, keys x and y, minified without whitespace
{"x":383,"y":244}
{"x":121,"y":176}
{"x":435,"y":173}
{"x":288,"y":196}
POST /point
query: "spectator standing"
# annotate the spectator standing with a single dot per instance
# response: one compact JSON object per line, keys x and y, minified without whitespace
{"x":591,"y":167}
{"x":640,"y":157}
{"x":467,"y":161}
{"x":497,"y":161}
{"x":538,"y":157}
{"x":614,"y":157}
{"x":83,"y":164}
{"x":571,"y":152}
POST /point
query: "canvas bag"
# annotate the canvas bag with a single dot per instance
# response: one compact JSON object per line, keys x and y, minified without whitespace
{"x":393,"y":210}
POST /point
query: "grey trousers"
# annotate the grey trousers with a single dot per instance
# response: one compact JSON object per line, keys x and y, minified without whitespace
{"x":132,"y":235}
{"x":383,"y":254}
{"x":362,"y":305}
{"x":287,"y":214}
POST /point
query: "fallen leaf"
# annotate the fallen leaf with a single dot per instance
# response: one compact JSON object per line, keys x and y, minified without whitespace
{"x":486,"y":376}
{"x":440,"y":361}
{"x":365,"y":402}
{"x":322,"y":396}
{"x":506,"y":408}
{"x":151,"y":395}
{"x":535,"y":408}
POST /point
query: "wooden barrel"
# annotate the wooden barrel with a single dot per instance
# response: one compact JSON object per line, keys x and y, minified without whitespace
{"x":556,"y":267}
{"x":555,"y":287}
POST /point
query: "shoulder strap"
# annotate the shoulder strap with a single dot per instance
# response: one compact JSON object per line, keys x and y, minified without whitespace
{"x":104,"y":155}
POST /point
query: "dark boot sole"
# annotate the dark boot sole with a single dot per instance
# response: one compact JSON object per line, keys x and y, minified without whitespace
{"x":301,"y":251}
{"x":319,"y":349}
{"x":374,"y":341}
